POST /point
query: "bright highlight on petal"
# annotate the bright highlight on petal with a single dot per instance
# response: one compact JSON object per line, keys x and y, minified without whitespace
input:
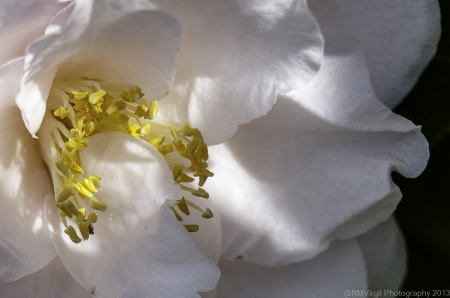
{"x":88,"y":107}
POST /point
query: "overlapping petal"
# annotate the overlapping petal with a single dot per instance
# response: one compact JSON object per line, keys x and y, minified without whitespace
{"x":139,"y":248}
{"x":328,"y":275}
{"x":384,"y":253}
{"x":23,"y":21}
{"x":51,"y":281}
{"x":121,"y":41}
{"x":25,"y":246}
{"x":399,"y":38}
{"x":235,"y":57}
{"x":374,"y":261}
{"x":316,"y":168}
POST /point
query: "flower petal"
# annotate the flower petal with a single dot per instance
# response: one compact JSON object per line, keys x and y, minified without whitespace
{"x":315,"y":168}
{"x":120,"y":41}
{"x":383,"y":249}
{"x":51,"y":281}
{"x":209,"y":236}
{"x":235,"y":57}
{"x":22,"y":22}
{"x":60,"y":19}
{"x":139,"y":249}
{"x":399,"y":38}
{"x":329,"y":274}
{"x":25,"y":246}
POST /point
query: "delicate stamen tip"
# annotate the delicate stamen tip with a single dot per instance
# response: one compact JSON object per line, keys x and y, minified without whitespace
{"x":207,"y":214}
{"x":192,"y":228}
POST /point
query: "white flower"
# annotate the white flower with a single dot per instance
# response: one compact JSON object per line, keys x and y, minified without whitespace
{"x":315,"y":169}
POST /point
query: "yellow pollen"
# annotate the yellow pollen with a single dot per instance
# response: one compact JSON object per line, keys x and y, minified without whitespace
{"x":62,"y":113}
{"x":97,"y":97}
{"x":157,"y":142}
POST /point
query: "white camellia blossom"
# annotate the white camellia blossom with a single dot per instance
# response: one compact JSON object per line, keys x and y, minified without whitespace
{"x":302,"y":195}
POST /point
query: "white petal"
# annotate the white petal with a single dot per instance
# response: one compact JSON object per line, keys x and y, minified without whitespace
{"x":209,"y":236}
{"x":235,"y":57}
{"x":329,"y":274}
{"x":25,"y":246}
{"x":120,"y":41}
{"x":139,"y":249}
{"x":60,"y":19}
{"x":383,"y":249}
{"x":315,"y":168}
{"x":399,"y":38}
{"x":23,"y":21}
{"x":51,"y":281}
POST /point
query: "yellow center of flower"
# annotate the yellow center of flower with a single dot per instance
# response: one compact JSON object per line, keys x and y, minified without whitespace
{"x":92,"y":106}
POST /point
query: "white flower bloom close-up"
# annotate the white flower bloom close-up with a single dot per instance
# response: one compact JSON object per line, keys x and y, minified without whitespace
{"x":216,"y":148}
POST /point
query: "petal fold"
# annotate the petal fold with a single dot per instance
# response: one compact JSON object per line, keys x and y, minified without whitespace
{"x":234,"y":59}
{"x":399,"y":38}
{"x":25,"y":245}
{"x":316,"y":168}
{"x":118,"y":41}
{"x":139,"y":249}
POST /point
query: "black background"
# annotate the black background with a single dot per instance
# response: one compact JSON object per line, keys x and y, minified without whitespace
{"x":424,"y":212}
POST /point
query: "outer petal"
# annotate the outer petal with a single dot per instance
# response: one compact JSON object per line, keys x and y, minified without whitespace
{"x":399,"y":38}
{"x":25,"y":246}
{"x":234,"y":59}
{"x":139,"y":249}
{"x":316,"y":168}
{"x":51,"y":281}
{"x":383,"y":249}
{"x":328,"y":275}
{"x":125,"y":41}
{"x":23,"y":21}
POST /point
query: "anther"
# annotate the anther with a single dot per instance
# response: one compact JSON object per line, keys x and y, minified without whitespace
{"x":191,"y":228}
{"x":72,"y":234}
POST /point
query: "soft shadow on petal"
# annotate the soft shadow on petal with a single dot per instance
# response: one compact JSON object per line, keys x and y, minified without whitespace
{"x":60,"y":19}
{"x":51,"y":281}
{"x":399,"y":38}
{"x":235,"y":57}
{"x":139,"y":249}
{"x":119,"y":41}
{"x":25,"y":246}
{"x":328,"y":275}
{"x":383,"y":249}
{"x":22,"y":22}
{"x":317,"y":167}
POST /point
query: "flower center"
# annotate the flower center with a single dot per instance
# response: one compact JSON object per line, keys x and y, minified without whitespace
{"x":79,"y":110}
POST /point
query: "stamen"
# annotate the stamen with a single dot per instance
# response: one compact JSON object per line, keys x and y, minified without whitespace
{"x":192,"y":228}
{"x":95,"y":106}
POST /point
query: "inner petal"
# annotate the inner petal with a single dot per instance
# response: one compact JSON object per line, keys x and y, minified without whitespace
{"x":76,"y":111}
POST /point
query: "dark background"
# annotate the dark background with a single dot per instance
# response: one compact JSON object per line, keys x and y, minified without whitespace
{"x":424,"y":212}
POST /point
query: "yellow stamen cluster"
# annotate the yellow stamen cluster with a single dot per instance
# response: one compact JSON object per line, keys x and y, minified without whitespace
{"x":100,"y":107}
